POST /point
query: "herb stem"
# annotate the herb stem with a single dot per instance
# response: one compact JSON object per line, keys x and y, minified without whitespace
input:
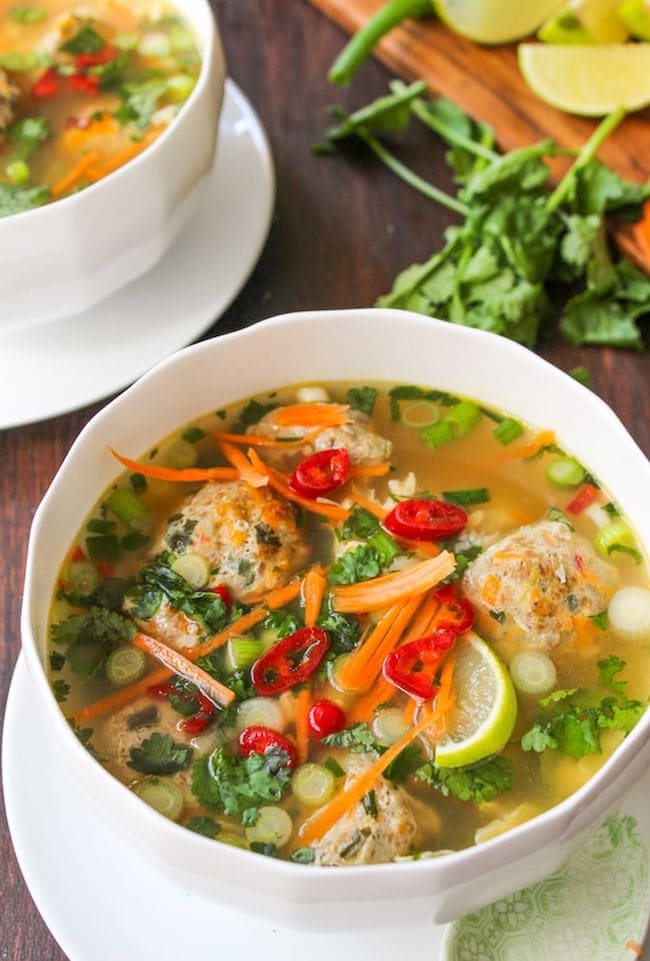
{"x":588,"y":152}
{"x":451,"y":136}
{"x":410,"y":177}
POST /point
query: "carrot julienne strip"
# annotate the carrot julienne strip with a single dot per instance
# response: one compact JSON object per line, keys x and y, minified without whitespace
{"x":313,"y":592}
{"x":303,"y":704}
{"x":311,"y":415}
{"x":245,"y":469}
{"x":189,"y":474}
{"x":369,"y":470}
{"x":356,"y":788}
{"x":182,"y":666}
{"x":279,"y":483}
{"x":75,"y":174}
{"x":369,"y":505}
{"x":543,"y":439}
{"x":256,"y":440}
{"x":388,"y":589}
{"x":365,"y":706}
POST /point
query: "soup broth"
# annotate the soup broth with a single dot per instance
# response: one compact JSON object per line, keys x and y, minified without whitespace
{"x":84,"y":89}
{"x":417,"y":623}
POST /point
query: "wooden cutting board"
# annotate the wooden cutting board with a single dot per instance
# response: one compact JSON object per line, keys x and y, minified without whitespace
{"x":487,"y":84}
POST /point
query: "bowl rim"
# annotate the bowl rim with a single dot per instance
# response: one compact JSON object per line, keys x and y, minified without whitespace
{"x":204,"y":25}
{"x":553,"y":826}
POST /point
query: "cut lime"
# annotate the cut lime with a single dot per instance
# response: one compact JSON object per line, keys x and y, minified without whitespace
{"x":485,"y":706}
{"x":635,"y":14}
{"x":564,"y":27}
{"x":600,"y":19}
{"x":585,"y":80}
{"x":495,"y":21}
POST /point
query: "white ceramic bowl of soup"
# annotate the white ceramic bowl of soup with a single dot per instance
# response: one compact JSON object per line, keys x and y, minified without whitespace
{"x":358,"y":345}
{"x":60,"y":259}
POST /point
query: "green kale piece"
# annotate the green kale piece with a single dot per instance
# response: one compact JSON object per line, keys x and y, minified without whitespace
{"x":160,"y":754}
{"x":232,"y":784}
{"x":479,"y":782}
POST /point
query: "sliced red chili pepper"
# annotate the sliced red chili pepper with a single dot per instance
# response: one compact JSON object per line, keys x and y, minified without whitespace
{"x":414,"y":666}
{"x":78,"y":554}
{"x":458,"y":613}
{"x":203,"y":717}
{"x":290,"y":661}
{"x":84,"y":83}
{"x":160,"y":691}
{"x":585,"y":496}
{"x":423,"y":519}
{"x":321,"y":473}
{"x":224,"y":593}
{"x":96,"y":59}
{"x":258,"y":739}
{"x":47,"y":84}
{"x":325,"y":717}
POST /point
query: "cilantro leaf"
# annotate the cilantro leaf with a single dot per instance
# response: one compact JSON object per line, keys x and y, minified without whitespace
{"x":358,"y":738}
{"x":25,"y":135}
{"x":99,"y":625}
{"x":202,"y":824}
{"x":233,"y":784}
{"x":140,"y":101}
{"x":15,"y":199}
{"x":160,"y":754}
{"x":479,"y":782}
{"x":362,"y":399}
{"x":359,"y":564}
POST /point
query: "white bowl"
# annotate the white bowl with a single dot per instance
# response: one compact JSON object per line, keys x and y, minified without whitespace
{"x":60,"y":259}
{"x":339,"y":345}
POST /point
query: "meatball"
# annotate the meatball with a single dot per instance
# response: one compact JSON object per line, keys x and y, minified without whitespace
{"x":357,"y":435}
{"x":8,"y":98}
{"x":538,"y":579}
{"x":250,"y":538}
{"x":128,"y":728}
{"x":369,"y":837}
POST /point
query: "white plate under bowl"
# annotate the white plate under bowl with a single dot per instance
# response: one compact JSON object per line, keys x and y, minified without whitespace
{"x":50,"y":370}
{"x":102,"y":901}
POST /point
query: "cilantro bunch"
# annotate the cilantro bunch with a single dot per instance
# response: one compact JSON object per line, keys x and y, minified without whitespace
{"x":519,"y":245}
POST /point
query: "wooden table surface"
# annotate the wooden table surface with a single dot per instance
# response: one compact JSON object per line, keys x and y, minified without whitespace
{"x":342,"y":228}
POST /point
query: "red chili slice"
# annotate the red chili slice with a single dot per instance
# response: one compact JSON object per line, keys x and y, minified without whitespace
{"x":413,"y":667}
{"x":458,"y":613}
{"x":586,"y":496}
{"x":224,"y":593}
{"x":47,"y":84}
{"x":325,"y":717}
{"x":422,"y":519}
{"x":84,"y":83}
{"x":258,"y":739}
{"x":203,"y":717}
{"x":290,"y":661}
{"x":321,"y":472}
{"x":96,"y":59}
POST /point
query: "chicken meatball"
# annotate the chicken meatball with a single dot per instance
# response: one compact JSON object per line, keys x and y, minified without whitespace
{"x":538,"y":580}
{"x":8,"y":99}
{"x":365,"y":836}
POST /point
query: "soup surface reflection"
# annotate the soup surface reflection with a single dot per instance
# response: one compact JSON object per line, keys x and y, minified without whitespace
{"x":353,"y":623}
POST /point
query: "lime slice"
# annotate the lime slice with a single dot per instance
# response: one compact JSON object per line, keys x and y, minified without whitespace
{"x":495,"y":21}
{"x":600,"y":19}
{"x":485,"y":707}
{"x":635,"y":14}
{"x":585,"y":80}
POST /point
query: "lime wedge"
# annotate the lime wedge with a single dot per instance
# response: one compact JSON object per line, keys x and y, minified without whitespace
{"x":485,"y":706}
{"x":495,"y":21}
{"x":635,"y":14}
{"x":586,"y":80}
{"x":600,"y":18}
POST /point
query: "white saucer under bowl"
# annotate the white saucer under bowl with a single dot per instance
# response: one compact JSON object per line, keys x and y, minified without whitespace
{"x":102,"y":901}
{"x":50,"y":370}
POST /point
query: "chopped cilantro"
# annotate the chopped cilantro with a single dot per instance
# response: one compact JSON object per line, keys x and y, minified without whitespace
{"x":232,"y":784}
{"x":479,"y":782}
{"x":360,"y":523}
{"x":160,"y":754}
{"x":57,"y":660}
{"x":61,"y":690}
{"x":86,"y":40}
{"x":303,"y":856}
{"x":14,"y":199}
{"x":359,"y":564}
{"x":251,"y":414}
{"x":140,"y":101}
{"x":358,"y":738}
{"x":265,"y":847}
{"x":193,"y":434}
{"x":202,"y":824}
{"x":362,"y":399}
{"x":26,"y":14}
{"x":600,"y":620}
{"x":411,"y":392}
{"x":105,"y":627}
{"x":25,"y":135}
{"x":343,"y":630}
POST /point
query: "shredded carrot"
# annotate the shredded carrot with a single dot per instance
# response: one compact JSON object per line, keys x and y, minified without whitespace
{"x":391,"y":588}
{"x":424,"y":621}
{"x":256,"y":440}
{"x":245,"y":469}
{"x":190,"y":474}
{"x":363,"y":666}
{"x":181,"y":665}
{"x":543,"y":439}
{"x":280,"y":483}
{"x":75,"y":174}
{"x":128,"y":153}
{"x":313,"y":592}
{"x":303,"y":704}
{"x":119,"y":699}
{"x":311,"y":415}
{"x":73,"y":138}
{"x":491,"y":589}
{"x":365,"y":706}
{"x":369,"y":470}
{"x":409,"y":711}
{"x":358,"y":786}
{"x":371,"y":506}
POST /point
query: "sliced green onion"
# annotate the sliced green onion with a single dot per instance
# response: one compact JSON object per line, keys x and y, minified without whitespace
{"x":83,"y":577}
{"x":313,"y":784}
{"x":127,"y":506}
{"x":241,"y":652}
{"x":154,"y":44}
{"x":194,"y":568}
{"x":181,"y":454}
{"x":334,"y":669}
{"x":463,"y":417}
{"x":565,"y":472}
{"x":19,"y":60}
{"x":470,"y":495}
{"x":180,"y":38}
{"x":233,"y":841}
{"x":615,"y":536}
{"x":629,"y":612}
{"x":165,"y":797}
{"x":127,"y":40}
{"x":438,"y":434}
{"x":273,"y":826}
{"x":179,"y":87}
{"x":533,"y":672}
{"x":508,"y":431}
{"x":18,"y":172}
{"x":125,"y":665}
{"x":420,"y":413}
{"x":389,"y":725}
{"x":260,"y":710}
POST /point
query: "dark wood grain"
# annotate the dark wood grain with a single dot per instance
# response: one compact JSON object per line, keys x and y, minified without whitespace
{"x":342,"y":228}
